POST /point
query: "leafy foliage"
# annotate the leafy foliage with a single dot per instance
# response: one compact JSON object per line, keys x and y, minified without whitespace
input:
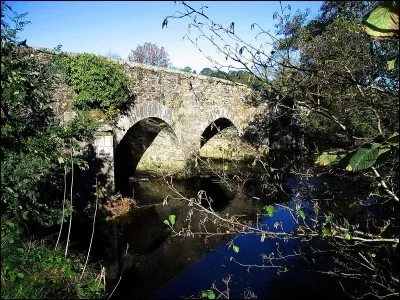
{"x":33,"y":270}
{"x":9,"y":31}
{"x":339,"y":77}
{"x":34,"y":160}
{"x":270,"y":209}
{"x":98,"y":83}
{"x":188,"y":69}
{"x":326,"y":158}
{"x":171,"y":219}
{"x":209,"y":294}
{"x":33,"y":141}
{"x":328,"y":80}
{"x":383,"y":21}
{"x":364,"y":157}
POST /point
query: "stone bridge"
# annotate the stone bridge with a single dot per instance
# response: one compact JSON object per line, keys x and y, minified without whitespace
{"x":185,"y":109}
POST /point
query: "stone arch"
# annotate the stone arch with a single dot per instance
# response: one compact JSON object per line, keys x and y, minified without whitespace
{"x":219,"y":113}
{"x":213,"y":128}
{"x":231,"y":140}
{"x":142,"y":111}
{"x":223,"y":113}
{"x":135,"y":146}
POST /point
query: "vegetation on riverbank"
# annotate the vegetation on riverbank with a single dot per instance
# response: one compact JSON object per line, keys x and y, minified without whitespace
{"x":40,"y":156}
{"x":33,"y":269}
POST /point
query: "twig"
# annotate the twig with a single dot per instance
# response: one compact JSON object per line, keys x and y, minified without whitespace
{"x":72,"y":184}
{"x":91,"y":239}
{"x":122,"y":272}
{"x":63,"y":209}
{"x":383,"y":183}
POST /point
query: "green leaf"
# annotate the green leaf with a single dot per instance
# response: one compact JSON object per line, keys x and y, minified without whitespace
{"x":391,"y":64}
{"x":60,"y":160}
{"x":326,"y":159}
{"x":25,"y":215}
{"x":326,"y":231}
{"x":172,"y":218}
{"x":347,"y":236}
{"x":383,"y":21}
{"x":328,"y":219}
{"x":236,"y":248}
{"x":301,"y":214}
{"x":21,"y":275}
{"x":363,"y":159}
{"x":225,"y":167}
{"x":393,"y":139}
{"x":208,"y":294}
{"x":166,"y":222}
{"x":345,"y":159}
{"x":270,"y":210}
{"x":10,"y":190}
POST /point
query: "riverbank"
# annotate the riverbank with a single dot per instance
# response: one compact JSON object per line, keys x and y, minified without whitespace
{"x":33,"y":269}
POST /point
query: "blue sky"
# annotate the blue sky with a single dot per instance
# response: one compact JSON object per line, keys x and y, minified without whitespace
{"x":100,"y":27}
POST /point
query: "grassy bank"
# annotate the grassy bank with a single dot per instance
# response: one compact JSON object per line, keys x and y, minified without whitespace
{"x":33,"y":269}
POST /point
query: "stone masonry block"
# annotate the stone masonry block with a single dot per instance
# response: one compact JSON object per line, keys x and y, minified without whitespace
{"x":105,"y":151}
{"x":108,"y":141}
{"x":99,"y":141}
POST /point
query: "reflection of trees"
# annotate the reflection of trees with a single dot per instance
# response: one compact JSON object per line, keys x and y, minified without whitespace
{"x":152,"y":248}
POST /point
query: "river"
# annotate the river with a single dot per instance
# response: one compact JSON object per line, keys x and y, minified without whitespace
{"x":154,"y":264}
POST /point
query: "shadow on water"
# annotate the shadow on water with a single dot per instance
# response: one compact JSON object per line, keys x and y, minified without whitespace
{"x":157,"y":265}
{"x":154,"y":257}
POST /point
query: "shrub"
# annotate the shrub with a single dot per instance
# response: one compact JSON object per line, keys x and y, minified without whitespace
{"x":98,"y":83}
{"x":34,"y":270}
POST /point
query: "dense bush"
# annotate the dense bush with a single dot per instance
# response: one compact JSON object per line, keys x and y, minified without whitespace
{"x":35,"y":155}
{"x":98,"y":83}
{"x":34,"y":270}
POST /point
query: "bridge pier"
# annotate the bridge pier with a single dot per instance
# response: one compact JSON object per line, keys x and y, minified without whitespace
{"x":104,"y":148}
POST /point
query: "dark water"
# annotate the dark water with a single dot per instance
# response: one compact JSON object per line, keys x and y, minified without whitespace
{"x":154,"y":264}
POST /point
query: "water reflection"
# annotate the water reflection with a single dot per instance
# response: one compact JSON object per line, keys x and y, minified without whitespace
{"x":160,"y":266}
{"x":154,"y":257}
{"x":290,"y":278}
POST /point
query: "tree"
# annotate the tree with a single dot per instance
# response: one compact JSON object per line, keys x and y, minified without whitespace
{"x":188,"y":69}
{"x":239,"y":76}
{"x":340,"y":88}
{"x":206,"y":72}
{"x":150,"y":54}
{"x":33,"y":140}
